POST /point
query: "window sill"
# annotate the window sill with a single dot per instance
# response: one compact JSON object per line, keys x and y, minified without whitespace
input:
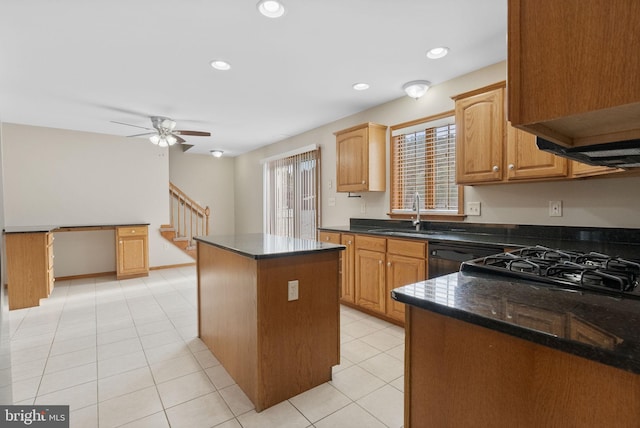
{"x":427,"y":216}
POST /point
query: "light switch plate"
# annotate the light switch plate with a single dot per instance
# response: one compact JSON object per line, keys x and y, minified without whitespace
{"x":473,"y":208}
{"x":293,"y":290}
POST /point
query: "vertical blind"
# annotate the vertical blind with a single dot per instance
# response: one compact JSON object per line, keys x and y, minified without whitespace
{"x":291,"y":195}
{"x":425,"y":162}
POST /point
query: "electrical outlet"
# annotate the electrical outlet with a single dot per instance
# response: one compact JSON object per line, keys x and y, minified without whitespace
{"x":293,"y":290}
{"x":473,"y":208}
{"x":330,"y":184}
{"x":555,"y":208}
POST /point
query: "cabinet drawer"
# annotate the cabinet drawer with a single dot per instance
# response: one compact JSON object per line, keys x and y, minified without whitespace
{"x":132,"y":231}
{"x":406,"y":248}
{"x":371,"y":243}
{"x":331,"y":237}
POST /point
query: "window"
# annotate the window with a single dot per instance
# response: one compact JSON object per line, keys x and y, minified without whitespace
{"x":291,"y":194}
{"x":423,"y":160}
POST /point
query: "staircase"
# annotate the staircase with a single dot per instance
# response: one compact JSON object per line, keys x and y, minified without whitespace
{"x":188,"y":219}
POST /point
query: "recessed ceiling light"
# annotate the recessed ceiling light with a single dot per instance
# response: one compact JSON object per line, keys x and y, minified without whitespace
{"x":360,"y":86}
{"x":438,"y":52}
{"x":219,"y":64}
{"x":271,"y":8}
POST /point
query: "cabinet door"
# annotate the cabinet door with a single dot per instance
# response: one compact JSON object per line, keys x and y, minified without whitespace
{"x":370,"y":280}
{"x":352,"y":159}
{"x":348,"y":268}
{"x":480,"y":137}
{"x":526,"y":161}
{"x":132,"y":252}
{"x":401,"y":270}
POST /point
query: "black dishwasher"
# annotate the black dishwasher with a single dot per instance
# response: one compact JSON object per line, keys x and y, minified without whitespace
{"x":446,"y":257}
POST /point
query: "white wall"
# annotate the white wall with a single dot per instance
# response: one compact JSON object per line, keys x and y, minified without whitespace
{"x":62,"y":177}
{"x":601,"y":202}
{"x":208,"y":181}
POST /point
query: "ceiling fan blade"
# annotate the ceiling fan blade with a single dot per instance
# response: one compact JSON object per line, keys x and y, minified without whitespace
{"x":186,"y":147}
{"x":141,"y":135}
{"x":180,"y":139}
{"x":193,"y":133}
{"x":128,"y":124}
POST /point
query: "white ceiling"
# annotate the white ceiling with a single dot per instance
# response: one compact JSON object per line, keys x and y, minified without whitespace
{"x":80,"y":64}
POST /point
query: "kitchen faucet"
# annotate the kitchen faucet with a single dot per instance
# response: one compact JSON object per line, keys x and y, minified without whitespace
{"x":416,"y":207}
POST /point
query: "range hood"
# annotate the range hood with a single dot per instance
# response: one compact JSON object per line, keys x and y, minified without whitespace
{"x":621,"y":154}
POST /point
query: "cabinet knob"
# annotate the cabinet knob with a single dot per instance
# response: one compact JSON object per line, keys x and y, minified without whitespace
{"x":133,"y":231}
{"x":511,"y":166}
{"x":389,"y":264}
{"x":379,"y":262}
{"x":364,"y":182}
{"x":349,"y":242}
{"x":120,"y":242}
{"x":495,"y":168}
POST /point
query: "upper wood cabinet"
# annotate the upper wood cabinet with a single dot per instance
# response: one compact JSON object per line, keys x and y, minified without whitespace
{"x":480,"y":135}
{"x":573,"y":69}
{"x":489,"y":150}
{"x":360,"y":158}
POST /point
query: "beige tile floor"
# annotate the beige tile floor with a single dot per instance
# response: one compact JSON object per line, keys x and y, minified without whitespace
{"x":126,"y":354}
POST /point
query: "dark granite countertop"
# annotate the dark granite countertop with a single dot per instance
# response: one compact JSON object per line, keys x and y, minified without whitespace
{"x":612,"y":241}
{"x":592,"y":326}
{"x":262,"y":246}
{"x":53,"y":228}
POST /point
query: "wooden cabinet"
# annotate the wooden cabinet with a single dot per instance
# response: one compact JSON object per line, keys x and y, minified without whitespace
{"x":572,"y":69}
{"x":535,"y":318}
{"x":525,"y":161}
{"x":347,"y":262}
{"x":480,"y":135}
{"x":370,"y":273}
{"x":406,"y":264}
{"x":489,"y":150}
{"x":361,"y":159}
{"x":579,"y":169}
{"x":29,"y":268}
{"x":348,"y":265}
{"x":132,"y":251}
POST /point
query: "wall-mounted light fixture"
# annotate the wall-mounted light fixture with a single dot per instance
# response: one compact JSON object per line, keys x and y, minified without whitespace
{"x":416,"y":88}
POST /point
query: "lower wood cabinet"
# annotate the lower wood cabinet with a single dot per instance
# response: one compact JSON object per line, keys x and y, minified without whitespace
{"x":132,"y":251}
{"x":406,"y":264}
{"x":348,"y":266}
{"x":29,"y":268}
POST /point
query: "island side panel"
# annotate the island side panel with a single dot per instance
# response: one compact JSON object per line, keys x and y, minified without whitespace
{"x":299,"y":341}
{"x":462,"y":374}
{"x":227,"y":313}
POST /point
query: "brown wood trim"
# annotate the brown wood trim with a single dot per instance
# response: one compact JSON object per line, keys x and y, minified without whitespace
{"x":482,"y":90}
{"x":373,"y":313}
{"x":85,"y":275}
{"x":423,"y":120}
{"x":426,"y":217}
{"x":172,"y":266}
{"x":362,"y":125}
{"x":83,"y":228}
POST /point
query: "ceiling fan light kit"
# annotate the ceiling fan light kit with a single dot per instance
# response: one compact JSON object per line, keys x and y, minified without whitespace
{"x":164,"y":132}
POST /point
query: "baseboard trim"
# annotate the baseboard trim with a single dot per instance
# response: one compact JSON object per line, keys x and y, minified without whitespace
{"x":113,"y":273}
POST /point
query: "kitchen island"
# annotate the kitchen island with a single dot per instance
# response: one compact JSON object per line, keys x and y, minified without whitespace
{"x":268,"y":310}
{"x":483,"y":350}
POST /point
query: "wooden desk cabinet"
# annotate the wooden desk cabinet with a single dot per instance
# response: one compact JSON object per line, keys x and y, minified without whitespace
{"x":132,"y":251}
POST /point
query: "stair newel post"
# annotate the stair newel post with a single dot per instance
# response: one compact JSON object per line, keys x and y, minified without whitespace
{"x":207,"y":211}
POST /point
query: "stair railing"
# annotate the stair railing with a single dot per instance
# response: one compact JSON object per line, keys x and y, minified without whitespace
{"x":188,"y":218}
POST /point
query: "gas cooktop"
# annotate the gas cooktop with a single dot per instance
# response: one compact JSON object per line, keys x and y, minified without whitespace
{"x":570,"y":269}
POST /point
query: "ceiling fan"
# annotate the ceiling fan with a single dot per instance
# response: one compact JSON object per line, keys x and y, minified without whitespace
{"x":163,"y":132}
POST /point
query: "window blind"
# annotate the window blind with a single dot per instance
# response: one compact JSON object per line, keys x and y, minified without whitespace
{"x":291,"y":195}
{"x":424,"y":161}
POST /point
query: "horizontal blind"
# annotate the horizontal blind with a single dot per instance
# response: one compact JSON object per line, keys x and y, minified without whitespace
{"x":424,"y":162}
{"x":291,"y":201}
